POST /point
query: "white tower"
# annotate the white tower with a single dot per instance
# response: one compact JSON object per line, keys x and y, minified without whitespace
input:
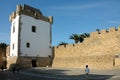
{"x":30,"y":33}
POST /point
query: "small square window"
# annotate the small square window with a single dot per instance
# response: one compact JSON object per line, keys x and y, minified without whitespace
{"x":33,"y":29}
{"x":49,"y":46}
{"x":28,"y":45}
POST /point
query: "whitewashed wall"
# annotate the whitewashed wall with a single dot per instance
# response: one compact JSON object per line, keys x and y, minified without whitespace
{"x":14,"y":37}
{"x":39,"y":41}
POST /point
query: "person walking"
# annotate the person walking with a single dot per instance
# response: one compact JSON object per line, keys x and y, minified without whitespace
{"x":87,"y":72}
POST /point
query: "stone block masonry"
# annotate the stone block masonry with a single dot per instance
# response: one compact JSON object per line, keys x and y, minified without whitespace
{"x":28,"y":62}
{"x":94,"y":62}
{"x":99,"y":51}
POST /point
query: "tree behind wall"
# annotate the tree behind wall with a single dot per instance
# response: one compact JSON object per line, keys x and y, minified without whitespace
{"x":75,"y":37}
{"x":79,"y":37}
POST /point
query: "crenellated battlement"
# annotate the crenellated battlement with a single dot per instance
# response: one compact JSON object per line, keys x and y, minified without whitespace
{"x":105,"y":33}
{"x":30,"y":11}
{"x":98,"y":51}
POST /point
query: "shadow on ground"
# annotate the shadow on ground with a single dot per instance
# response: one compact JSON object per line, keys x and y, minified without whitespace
{"x":66,"y":74}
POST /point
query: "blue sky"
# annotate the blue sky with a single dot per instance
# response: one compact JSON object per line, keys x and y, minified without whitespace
{"x":70,"y":16}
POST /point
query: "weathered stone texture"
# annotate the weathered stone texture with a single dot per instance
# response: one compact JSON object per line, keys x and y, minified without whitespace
{"x":8,"y":51}
{"x":11,"y":60}
{"x":98,"y":51}
{"x":96,"y":62}
{"x":26,"y":62}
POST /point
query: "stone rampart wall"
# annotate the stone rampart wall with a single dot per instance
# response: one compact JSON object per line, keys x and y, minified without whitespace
{"x":98,"y":51}
{"x":95,"y":62}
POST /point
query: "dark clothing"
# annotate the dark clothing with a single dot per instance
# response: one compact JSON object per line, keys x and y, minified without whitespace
{"x":2,"y":68}
{"x":14,"y":70}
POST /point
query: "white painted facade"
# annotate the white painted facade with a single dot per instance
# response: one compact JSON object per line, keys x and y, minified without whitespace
{"x":39,"y":41}
{"x":14,"y":37}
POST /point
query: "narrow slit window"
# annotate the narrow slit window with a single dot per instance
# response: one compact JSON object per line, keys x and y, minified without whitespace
{"x":13,"y":46}
{"x":13,"y":29}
